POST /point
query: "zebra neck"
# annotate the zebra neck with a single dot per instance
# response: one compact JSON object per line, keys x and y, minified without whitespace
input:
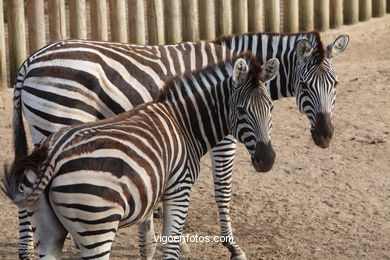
{"x":200,"y":109}
{"x":270,"y":45}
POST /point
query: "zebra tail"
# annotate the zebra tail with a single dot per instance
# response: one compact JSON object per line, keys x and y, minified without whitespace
{"x":19,"y":133}
{"x":22,"y":181}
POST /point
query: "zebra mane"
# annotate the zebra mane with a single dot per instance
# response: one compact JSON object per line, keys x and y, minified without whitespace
{"x":13,"y":176}
{"x":319,"y":50}
{"x":254,"y":65}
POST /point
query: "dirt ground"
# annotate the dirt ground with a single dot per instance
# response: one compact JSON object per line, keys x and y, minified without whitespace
{"x":315,"y":203}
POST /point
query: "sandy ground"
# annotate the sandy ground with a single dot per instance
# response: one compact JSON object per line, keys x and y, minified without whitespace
{"x":315,"y":203}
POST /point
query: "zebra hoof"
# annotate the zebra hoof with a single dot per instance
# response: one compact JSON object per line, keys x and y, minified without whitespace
{"x":184,"y":249}
{"x":239,"y":256}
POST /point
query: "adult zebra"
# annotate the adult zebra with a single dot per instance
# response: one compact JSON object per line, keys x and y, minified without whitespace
{"x":69,"y":82}
{"x":93,"y":178}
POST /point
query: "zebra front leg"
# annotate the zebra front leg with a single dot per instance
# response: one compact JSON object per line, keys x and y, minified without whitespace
{"x":49,"y":234}
{"x":147,"y":241}
{"x":26,"y":241}
{"x":222,"y":157}
{"x":174,"y":215}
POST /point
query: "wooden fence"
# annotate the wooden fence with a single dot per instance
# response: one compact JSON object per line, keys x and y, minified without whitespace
{"x":162,"y":21}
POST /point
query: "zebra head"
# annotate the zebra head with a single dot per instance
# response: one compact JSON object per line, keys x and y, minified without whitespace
{"x":250,"y":110}
{"x":315,"y":86}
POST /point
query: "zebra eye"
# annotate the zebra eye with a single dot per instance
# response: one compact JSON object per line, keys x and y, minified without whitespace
{"x":241,"y":111}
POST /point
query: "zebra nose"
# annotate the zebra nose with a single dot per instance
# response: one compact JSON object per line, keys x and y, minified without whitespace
{"x":323,"y":130}
{"x":264,"y":157}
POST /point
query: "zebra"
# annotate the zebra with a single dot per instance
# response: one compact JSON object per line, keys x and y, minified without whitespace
{"x":73,"y":81}
{"x":93,"y":178}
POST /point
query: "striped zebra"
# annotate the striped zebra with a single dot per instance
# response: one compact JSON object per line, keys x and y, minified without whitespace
{"x":70,"y":82}
{"x":93,"y":178}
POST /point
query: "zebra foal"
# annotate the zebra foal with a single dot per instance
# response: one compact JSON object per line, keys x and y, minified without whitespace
{"x":93,"y":178}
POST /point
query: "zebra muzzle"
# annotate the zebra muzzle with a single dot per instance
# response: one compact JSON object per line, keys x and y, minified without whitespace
{"x":264,"y":157}
{"x":323,"y":131}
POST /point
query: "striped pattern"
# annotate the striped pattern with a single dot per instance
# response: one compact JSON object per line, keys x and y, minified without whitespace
{"x":112,"y":173}
{"x":73,"y":81}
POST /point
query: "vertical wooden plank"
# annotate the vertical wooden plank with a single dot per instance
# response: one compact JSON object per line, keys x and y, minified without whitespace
{"x":291,"y":16}
{"x":155,"y":22}
{"x":336,"y":13}
{"x":388,"y":6}
{"x":378,"y":8}
{"x":118,"y":20}
{"x":137,"y":31}
{"x":36,"y":24}
{"x":190,"y":21}
{"x":16,"y":35}
{"x":3,"y":61}
{"x":306,"y":15}
{"x":365,"y":10}
{"x":255,"y":15}
{"x":351,"y":11}
{"x":240,"y":16}
{"x":99,"y":30}
{"x":172,"y":21}
{"x":272,"y":15}
{"x":207,"y":19}
{"x":321,"y":21}
{"x":224,"y":17}
{"x":57,"y":27}
{"x":77,"y":19}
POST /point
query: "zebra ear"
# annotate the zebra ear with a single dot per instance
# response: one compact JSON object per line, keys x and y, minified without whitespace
{"x":337,"y":47}
{"x":304,"y":49}
{"x":240,"y":71}
{"x":269,"y":70}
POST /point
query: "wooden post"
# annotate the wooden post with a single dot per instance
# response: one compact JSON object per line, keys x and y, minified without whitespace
{"x":137,"y":22}
{"x":255,"y":15}
{"x":155,"y":22}
{"x":351,"y":11}
{"x":16,"y":33}
{"x":118,"y":20}
{"x":388,"y":6}
{"x":99,"y":29}
{"x":321,"y":20}
{"x":291,"y":16}
{"x":272,"y":15}
{"x":306,"y":15}
{"x":172,"y":21}
{"x":3,"y":61}
{"x":190,"y":22}
{"x":240,"y":16}
{"x":224,"y":17}
{"x":336,"y":13}
{"x":378,"y":8}
{"x":207,"y":19}
{"x":57,"y":27}
{"x":36,"y":24}
{"x":365,"y":10}
{"x":77,"y":19}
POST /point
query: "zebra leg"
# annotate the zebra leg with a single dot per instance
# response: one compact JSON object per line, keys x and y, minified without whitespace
{"x":222,"y":157}
{"x":147,"y":242}
{"x":49,"y":234}
{"x":26,"y":241}
{"x":174,"y":215}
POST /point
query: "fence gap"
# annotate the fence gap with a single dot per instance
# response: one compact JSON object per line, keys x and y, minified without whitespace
{"x":255,"y":15}
{"x":224,"y":17}
{"x":155,"y":22}
{"x":99,"y":30}
{"x":137,"y":31}
{"x":272,"y":15}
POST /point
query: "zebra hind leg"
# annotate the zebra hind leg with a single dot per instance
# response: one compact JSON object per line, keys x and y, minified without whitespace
{"x":147,"y":241}
{"x":49,"y":233}
{"x":222,"y":157}
{"x":26,"y":241}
